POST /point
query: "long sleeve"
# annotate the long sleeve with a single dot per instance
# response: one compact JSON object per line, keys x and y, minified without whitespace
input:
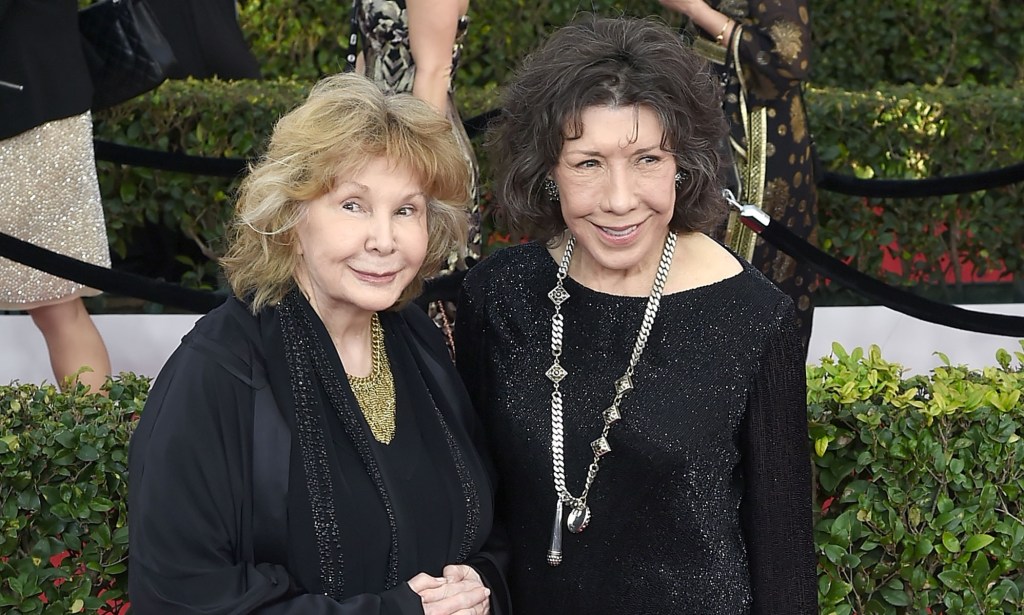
{"x":776,"y":505}
{"x":190,"y":505}
{"x":775,"y":48}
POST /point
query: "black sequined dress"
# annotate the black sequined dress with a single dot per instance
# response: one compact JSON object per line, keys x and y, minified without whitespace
{"x":703,"y":504}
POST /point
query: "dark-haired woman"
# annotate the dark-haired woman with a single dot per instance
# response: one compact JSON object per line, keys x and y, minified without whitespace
{"x":643,"y":388}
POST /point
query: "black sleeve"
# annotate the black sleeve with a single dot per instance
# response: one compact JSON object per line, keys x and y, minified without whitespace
{"x":776,"y":506}
{"x":190,"y":506}
{"x":470,"y":341}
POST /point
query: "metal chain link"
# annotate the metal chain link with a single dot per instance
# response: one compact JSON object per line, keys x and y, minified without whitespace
{"x":557,"y":329}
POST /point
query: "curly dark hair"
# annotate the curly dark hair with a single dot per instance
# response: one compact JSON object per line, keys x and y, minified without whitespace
{"x":617,"y":62}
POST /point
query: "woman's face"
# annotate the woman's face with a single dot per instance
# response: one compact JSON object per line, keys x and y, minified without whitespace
{"x":363,"y":242}
{"x":617,"y":189}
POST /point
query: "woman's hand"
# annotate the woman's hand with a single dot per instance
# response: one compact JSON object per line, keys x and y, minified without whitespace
{"x":459,"y":592}
{"x":708,"y":19}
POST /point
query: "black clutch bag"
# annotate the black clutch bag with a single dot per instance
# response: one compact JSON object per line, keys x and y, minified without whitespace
{"x":126,"y":52}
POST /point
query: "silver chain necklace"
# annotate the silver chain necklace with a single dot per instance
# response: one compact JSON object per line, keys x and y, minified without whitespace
{"x":579,"y":515}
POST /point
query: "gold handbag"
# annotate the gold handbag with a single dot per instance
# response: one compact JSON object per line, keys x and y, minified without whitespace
{"x":749,"y":157}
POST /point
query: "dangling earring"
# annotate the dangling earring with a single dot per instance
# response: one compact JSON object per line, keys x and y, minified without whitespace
{"x":550,"y":189}
{"x":681,"y":176}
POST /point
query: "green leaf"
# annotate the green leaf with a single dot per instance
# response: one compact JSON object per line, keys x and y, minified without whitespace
{"x":821,"y":446}
{"x":834,"y":553}
{"x":924,"y":547}
{"x":87,"y":453}
{"x":895,"y":597}
{"x":978,"y":541}
{"x":950,"y":542}
{"x":953,"y":579}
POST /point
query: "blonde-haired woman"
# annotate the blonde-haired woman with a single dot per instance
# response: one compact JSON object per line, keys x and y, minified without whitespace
{"x":309,"y":448}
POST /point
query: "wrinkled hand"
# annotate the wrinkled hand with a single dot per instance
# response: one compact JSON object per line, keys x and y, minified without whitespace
{"x":459,"y":592}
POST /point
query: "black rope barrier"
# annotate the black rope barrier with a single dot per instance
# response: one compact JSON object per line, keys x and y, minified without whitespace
{"x":445,"y":288}
{"x":829,"y":181}
{"x":881,"y":293}
{"x":440,"y":288}
{"x":168,"y":161}
{"x":216,"y":167}
{"x":108,"y":280}
{"x":919,"y":188}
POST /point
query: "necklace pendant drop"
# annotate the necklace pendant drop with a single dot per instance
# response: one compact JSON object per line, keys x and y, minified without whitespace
{"x":555,"y":550}
{"x":579,"y":519}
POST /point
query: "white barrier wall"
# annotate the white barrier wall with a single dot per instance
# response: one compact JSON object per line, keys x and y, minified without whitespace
{"x":140,"y":343}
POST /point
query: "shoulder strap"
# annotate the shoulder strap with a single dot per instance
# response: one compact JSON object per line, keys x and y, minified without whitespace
{"x":271,"y":452}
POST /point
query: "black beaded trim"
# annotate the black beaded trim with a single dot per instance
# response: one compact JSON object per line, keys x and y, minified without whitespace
{"x":335,"y":388}
{"x":469,"y":492}
{"x":298,"y":344}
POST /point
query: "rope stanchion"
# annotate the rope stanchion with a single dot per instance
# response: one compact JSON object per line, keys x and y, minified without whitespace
{"x":881,"y":293}
{"x":829,"y":181}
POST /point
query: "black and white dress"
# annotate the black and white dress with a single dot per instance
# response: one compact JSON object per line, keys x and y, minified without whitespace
{"x":384,"y":29}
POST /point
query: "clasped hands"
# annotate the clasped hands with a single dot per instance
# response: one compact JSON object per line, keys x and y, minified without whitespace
{"x":460,"y":591}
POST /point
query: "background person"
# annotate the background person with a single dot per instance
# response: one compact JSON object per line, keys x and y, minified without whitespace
{"x":640,"y":384}
{"x":374,"y":475}
{"x":415,"y":46}
{"x":49,"y":194}
{"x":206,"y":39}
{"x":772,"y":42}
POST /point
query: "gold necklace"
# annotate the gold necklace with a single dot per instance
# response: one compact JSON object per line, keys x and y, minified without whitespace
{"x":376,"y":392}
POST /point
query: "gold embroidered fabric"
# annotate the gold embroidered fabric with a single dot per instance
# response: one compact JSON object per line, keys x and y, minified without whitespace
{"x":765,"y":70}
{"x":376,"y":392}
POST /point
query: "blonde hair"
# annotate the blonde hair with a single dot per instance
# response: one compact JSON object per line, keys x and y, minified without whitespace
{"x":344,"y":123}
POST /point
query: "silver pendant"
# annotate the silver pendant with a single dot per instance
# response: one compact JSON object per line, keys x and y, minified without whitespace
{"x":555,"y":550}
{"x":578,"y":520}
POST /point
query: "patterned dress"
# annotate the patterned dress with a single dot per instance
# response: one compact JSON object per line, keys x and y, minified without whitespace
{"x":774,"y":53}
{"x":384,"y":29}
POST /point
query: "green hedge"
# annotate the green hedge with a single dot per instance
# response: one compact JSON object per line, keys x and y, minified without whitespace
{"x":156,"y":216}
{"x":918,"y":481}
{"x":63,"y":487}
{"x":310,"y":39}
{"x":866,"y":43}
{"x":857,"y":44}
{"x":903,"y":133}
{"x":908,"y":132}
{"x":920,"y":484}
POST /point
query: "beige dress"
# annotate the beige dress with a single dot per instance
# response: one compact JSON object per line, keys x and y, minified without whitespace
{"x":49,"y":196}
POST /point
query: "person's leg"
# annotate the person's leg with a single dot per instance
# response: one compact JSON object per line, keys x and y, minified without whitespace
{"x":73,"y":342}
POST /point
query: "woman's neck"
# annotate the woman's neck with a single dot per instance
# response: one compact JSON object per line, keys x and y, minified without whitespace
{"x":350,"y":330}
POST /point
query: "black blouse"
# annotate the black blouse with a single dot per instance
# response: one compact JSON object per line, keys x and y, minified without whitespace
{"x":421,"y":479}
{"x":703,"y":504}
